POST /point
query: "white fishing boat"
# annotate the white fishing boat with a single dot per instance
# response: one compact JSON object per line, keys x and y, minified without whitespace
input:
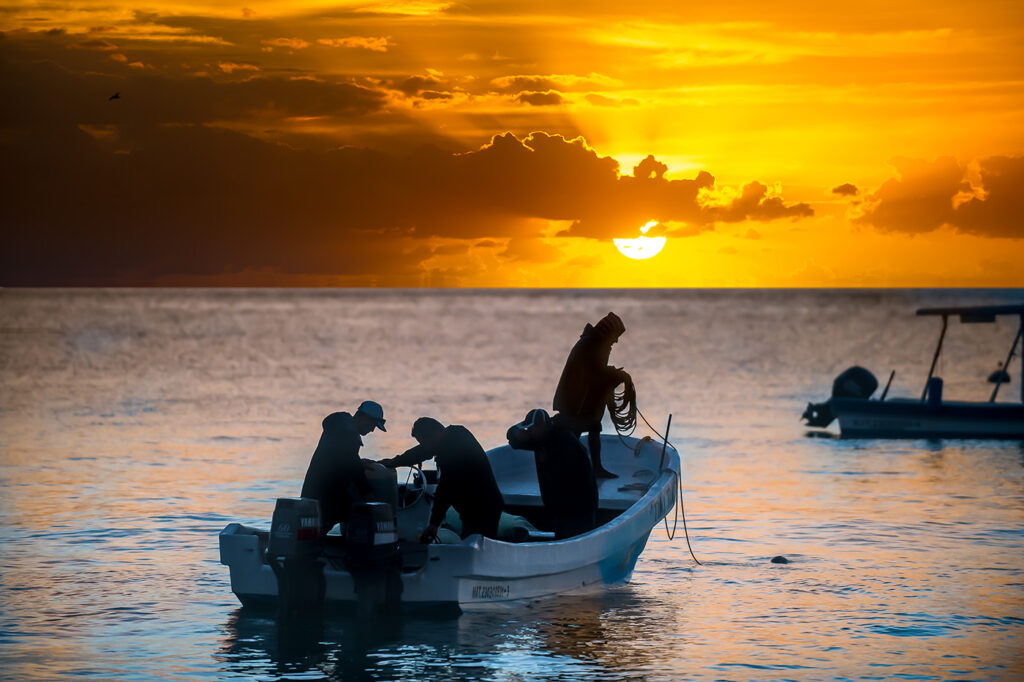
{"x":931,"y":415}
{"x":480,"y":572}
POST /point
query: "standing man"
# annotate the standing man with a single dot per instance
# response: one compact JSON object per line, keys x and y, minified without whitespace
{"x":566,"y":479}
{"x":336,"y":468}
{"x":466,"y":480}
{"x":587,"y":384}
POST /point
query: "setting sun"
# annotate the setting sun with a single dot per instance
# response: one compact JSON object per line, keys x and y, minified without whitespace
{"x":421,"y":143}
{"x":641,"y":248}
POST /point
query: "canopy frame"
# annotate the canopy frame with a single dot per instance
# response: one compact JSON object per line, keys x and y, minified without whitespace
{"x":973,"y":315}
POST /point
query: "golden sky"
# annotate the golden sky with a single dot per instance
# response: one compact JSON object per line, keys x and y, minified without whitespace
{"x":504,"y":143}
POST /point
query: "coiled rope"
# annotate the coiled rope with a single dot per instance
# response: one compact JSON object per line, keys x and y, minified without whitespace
{"x":623,"y":411}
{"x":622,"y":407}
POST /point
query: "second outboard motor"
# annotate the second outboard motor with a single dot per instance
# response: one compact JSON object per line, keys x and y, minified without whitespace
{"x":372,"y":557}
{"x":293,"y":552}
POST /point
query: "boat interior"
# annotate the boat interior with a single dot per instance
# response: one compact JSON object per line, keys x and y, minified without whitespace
{"x":525,"y":519}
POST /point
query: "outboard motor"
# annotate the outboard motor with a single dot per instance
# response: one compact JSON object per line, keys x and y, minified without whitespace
{"x":819,"y":414}
{"x":294,"y":554}
{"x":854,"y":382}
{"x":372,"y":557}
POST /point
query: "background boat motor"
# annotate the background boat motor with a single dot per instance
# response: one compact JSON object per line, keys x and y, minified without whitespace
{"x":373,"y":559}
{"x":854,"y":382}
{"x":819,"y":414}
{"x":293,"y":553}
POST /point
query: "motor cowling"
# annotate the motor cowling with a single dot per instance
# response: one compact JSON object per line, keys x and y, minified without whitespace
{"x":293,"y":553}
{"x":371,"y":534}
{"x":854,"y":382}
{"x":373,"y":559}
{"x":295,"y":529}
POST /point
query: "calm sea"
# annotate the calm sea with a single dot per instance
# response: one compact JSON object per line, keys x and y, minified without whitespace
{"x":135,"y":424}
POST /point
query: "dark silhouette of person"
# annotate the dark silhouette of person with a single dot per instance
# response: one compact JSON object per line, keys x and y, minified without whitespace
{"x":336,"y":471}
{"x":566,"y":478}
{"x":587,"y":384}
{"x":466,"y":479}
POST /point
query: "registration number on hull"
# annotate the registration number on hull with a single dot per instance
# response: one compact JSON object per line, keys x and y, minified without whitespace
{"x":493,"y":591}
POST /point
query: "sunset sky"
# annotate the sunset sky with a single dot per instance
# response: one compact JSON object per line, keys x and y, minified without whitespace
{"x":504,"y":143}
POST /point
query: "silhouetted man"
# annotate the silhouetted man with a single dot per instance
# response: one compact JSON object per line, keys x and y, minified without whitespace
{"x":336,"y":468}
{"x":466,"y":480}
{"x":587,"y":384}
{"x":566,"y":479}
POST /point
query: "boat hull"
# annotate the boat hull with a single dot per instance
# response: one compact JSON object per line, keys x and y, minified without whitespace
{"x":481,"y":573}
{"x":859,"y":418}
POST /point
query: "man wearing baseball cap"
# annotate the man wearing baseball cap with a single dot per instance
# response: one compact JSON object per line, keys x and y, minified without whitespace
{"x":336,"y":468}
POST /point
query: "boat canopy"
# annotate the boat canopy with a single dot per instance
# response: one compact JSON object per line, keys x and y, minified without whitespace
{"x":980,"y":313}
{"x":977,"y":313}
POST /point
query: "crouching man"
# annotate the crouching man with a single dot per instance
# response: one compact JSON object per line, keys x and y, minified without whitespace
{"x":466,"y":480}
{"x":564,"y":472}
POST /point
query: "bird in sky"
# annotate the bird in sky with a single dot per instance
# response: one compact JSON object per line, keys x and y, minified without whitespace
{"x":116,"y":95}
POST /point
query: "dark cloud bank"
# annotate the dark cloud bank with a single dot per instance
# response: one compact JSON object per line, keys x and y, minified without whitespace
{"x":196,"y":200}
{"x":155,"y":185}
{"x":930,"y":194}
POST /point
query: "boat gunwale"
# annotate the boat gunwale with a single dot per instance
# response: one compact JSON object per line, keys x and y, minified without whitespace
{"x":652,"y":492}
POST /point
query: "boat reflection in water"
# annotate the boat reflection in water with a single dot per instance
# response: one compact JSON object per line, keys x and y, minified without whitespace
{"x":578,"y":636}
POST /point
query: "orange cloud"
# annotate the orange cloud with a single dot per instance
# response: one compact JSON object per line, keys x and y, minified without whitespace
{"x":531,"y":250}
{"x":540,"y":99}
{"x":998,"y":211}
{"x":96,"y":44}
{"x":755,"y":204}
{"x":604,"y":101}
{"x":290,"y":43}
{"x":928,"y":195}
{"x":380,"y":44}
{"x":561,"y":82}
{"x":231,"y":67}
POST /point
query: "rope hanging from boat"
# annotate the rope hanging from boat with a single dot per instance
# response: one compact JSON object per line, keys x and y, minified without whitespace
{"x":682,"y":512}
{"x":623,"y":411}
{"x":677,"y":509}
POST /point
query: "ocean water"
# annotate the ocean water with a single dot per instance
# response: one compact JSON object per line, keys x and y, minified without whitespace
{"x":135,"y":424}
